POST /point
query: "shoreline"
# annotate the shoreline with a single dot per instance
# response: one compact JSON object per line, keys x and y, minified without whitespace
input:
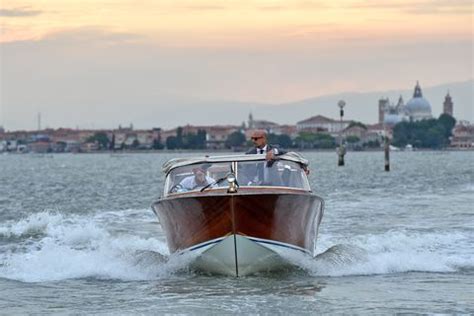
{"x":184,"y":151}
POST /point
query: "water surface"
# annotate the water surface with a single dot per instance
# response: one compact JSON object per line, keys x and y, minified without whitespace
{"x":77,"y":235}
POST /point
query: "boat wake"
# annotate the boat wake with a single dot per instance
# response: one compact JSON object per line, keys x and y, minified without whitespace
{"x":52,"y":246}
{"x":394,"y":252}
{"x":341,"y":255}
{"x":129,"y":245}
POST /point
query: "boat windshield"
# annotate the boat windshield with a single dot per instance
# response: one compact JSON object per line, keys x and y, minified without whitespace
{"x":195,"y":177}
{"x":279,"y":173}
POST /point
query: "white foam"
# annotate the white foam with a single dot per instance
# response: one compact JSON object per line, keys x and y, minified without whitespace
{"x":52,"y":246}
{"x":34,"y":224}
{"x":394,"y":252}
{"x":67,"y":247}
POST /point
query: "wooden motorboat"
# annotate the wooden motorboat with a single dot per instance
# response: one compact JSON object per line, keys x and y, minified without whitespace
{"x":245,"y":215}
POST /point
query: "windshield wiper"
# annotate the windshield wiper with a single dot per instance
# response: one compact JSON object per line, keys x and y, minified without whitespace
{"x":213,"y":183}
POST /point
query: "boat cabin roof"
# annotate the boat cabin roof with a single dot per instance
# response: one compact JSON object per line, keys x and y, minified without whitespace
{"x":180,"y":162}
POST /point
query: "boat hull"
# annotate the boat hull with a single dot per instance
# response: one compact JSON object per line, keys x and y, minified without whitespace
{"x":237,"y":255}
{"x":234,"y":229}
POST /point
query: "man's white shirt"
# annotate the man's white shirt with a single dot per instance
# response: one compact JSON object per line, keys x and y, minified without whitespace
{"x":265,"y":149}
{"x":189,"y":183}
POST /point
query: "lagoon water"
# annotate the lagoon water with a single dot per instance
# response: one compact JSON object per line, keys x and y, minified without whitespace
{"x":77,"y":236}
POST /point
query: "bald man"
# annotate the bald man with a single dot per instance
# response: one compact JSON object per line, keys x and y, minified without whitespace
{"x":264,"y":174}
{"x":259,"y":139}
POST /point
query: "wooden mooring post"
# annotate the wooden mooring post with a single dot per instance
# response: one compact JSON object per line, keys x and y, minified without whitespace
{"x":387,"y":153}
{"x":341,"y":151}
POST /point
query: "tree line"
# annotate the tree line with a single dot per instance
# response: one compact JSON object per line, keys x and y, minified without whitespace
{"x":431,"y":133}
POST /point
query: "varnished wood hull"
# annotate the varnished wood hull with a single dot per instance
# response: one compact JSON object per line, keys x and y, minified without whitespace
{"x":286,"y":218}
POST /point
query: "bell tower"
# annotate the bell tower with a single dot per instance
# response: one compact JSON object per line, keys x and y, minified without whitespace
{"x":448,"y":105}
{"x":417,"y":93}
{"x":250,"y":123}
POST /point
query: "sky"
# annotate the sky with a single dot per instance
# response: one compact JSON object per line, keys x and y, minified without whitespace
{"x":100,"y":63}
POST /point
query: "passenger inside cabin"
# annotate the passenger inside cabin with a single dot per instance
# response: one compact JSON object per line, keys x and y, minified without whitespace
{"x":198,"y":180}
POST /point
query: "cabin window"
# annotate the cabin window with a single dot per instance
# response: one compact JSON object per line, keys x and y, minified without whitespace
{"x":280,"y":173}
{"x":277,"y":173}
{"x":197,"y":176}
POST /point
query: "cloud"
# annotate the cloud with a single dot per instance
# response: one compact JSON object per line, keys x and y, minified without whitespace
{"x":419,"y":7}
{"x":91,"y":34}
{"x":93,"y":75}
{"x":254,"y":5}
{"x":19,"y":12}
{"x":294,"y":5}
{"x":197,"y":7}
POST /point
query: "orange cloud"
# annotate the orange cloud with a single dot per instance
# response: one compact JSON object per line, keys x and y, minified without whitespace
{"x":237,"y":22}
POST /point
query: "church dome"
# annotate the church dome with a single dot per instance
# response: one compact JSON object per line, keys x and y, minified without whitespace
{"x":392,"y":119}
{"x":418,"y":107}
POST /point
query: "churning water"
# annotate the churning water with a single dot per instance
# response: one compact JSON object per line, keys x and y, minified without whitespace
{"x":77,"y":235}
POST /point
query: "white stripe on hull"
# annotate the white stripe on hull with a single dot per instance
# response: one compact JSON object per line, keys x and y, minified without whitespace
{"x":238,"y":255}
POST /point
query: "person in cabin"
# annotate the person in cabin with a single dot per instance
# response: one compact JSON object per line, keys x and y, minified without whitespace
{"x":198,"y":180}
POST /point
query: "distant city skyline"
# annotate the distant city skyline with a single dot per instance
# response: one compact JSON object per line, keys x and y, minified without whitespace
{"x":103,"y":63}
{"x":361,"y":107}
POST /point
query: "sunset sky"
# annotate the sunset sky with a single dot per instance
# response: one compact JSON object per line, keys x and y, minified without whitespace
{"x":67,"y":57}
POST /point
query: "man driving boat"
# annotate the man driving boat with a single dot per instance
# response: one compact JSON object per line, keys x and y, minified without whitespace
{"x":259,"y":139}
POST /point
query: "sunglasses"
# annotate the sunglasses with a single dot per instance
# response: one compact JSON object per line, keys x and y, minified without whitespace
{"x":255,"y":138}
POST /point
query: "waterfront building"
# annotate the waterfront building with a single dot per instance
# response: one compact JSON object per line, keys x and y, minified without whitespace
{"x":72,"y":146}
{"x":41,"y":146}
{"x":157,"y":136}
{"x":374,"y":135}
{"x":365,"y":133}
{"x":216,"y":136}
{"x":145,"y":138}
{"x":270,"y":127}
{"x":319,"y":123}
{"x":89,"y":147}
{"x":83,"y":135}
{"x":165,"y":134}
{"x":289,"y":130}
{"x":379,"y":130}
{"x":463,"y":135}
{"x":120,"y":138}
{"x":356,"y":131}
{"x":416,"y":109}
{"x":391,"y":114}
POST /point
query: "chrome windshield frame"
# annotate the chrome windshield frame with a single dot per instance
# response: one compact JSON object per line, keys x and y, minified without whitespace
{"x":179,"y":162}
{"x":234,"y":161}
